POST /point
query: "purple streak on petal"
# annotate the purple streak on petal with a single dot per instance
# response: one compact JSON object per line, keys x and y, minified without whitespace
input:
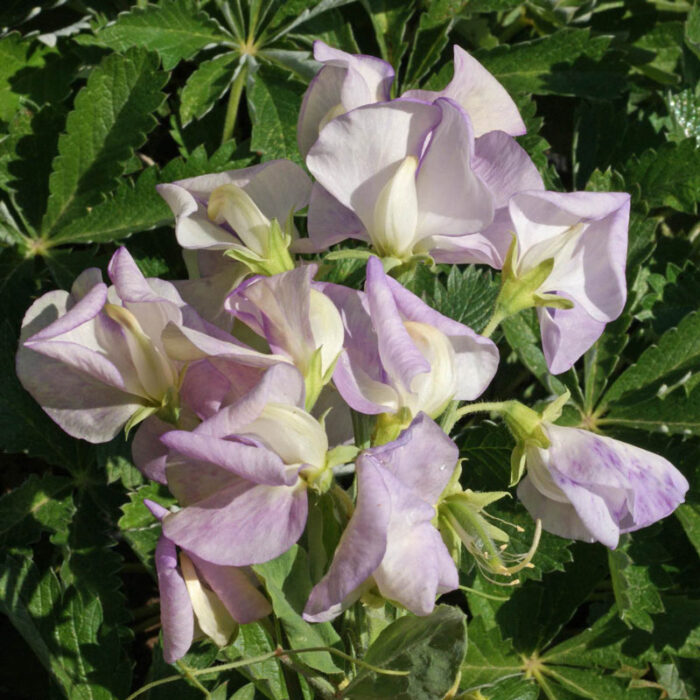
{"x":360,"y":550}
{"x":235,"y":527}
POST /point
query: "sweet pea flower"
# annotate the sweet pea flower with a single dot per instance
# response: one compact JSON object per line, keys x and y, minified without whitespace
{"x":245,"y":213}
{"x":198,"y":598}
{"x":347,"y":81}
{"x":568,"y":259}
{"x":594,"y":488}
{"x":94,"y":358}
{"x":409,"y":178}
{"x":242,"y":475}
{"x":296,"y":320}
{"x":403,"y":356}
{"x":390,"y":540}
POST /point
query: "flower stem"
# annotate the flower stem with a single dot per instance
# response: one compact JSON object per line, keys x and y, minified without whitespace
{"x":481,"y":407}
{"x":494,"y":322}
{"x":234,"y":99}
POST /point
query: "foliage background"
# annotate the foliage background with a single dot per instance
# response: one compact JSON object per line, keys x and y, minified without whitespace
{"x":102,"y":99}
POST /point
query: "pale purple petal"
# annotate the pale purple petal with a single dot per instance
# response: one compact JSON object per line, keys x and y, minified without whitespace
{"x":176,"y":614}
{"x":328,"y":223}
{"x":382,"y":136}
{"x":505,"y":167}
{"x":400,"y":358}
{"x":476,"y":357}
{"x":423,"y":458}
{"x":236,"y":527}
{"x":255,"y":464}
{"x":148,"y":452}
{"x":281,"y":383}
{"x":360,"y":550}
{"x":481,"y":96}
{"x":452,"y":198}
{"x":566,"y":335}
{"x":235,"y":589}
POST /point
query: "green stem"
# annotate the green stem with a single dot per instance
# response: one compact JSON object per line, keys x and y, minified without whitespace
{"x":482,"y":594}
{"x":234,"y":99}
{"x":481,"y":407}
{"x":187,"y":673}
{"x":494,"y":322}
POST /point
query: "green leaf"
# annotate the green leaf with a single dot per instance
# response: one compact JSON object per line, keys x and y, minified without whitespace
{"x":132,"y":208}
{"x":111,"y":117}
{"x":430,"y":648}
{"x":61,"y":628}
{"x":176,"y":29}
{"x":288,"y":584}
{"x":389,"y":19}
{"x":692,"y":29}
{"x":40,"y":503}
{"x":659,"y":389}
{"x":138,"y":527}
{"x":523,"y":336}
{"x":490,"y":658}
{"x":536,"y":612}
{"x":205,"y":86}
{"x":668,"y":176}
{"x":487,"y":449}
{"x":274,"y":101}
{"x":689,"y":515}
{"x":24,"y":427}
{"x":568,"y":62}
{"x":428,"y":42}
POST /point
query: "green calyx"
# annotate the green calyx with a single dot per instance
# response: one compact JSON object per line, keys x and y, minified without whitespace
{"x":276,"y":258}
{"x":389,"y":426}
{"x":168,"y":411}
{"x":525,"y":424}
{"x":519,"y":292}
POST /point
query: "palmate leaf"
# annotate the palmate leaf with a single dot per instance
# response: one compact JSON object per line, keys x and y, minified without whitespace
{"x":568,"y":62}
{"x":430,"y":648}
{"x":175,"y":29}
{"x":112,"y":115}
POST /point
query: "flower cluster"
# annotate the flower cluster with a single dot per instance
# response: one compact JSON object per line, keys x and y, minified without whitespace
{"x":257,"y":388}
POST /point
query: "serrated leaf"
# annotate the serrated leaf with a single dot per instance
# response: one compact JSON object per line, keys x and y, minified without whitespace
{"x":635,"y":594}
{"x":40,"y":503}
{"x":60,"y":627}
{"x":684,"y":116}
{"x":430,"y":648}
{"x":428,"y":42}
{"x":668,"y":176}
{"x":132,"y":208}
{"x":274,"y":101}
{"x":138,"y":527}
{"x":288,"y":584}
{"x":692,"y":29}
{"x":175,"y":29}
{"x":661,"y":392}
{"x":111,"y":117}
{"x":205,"y":86}
{"x":568,"y":62}
{"x":490,"y":658}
